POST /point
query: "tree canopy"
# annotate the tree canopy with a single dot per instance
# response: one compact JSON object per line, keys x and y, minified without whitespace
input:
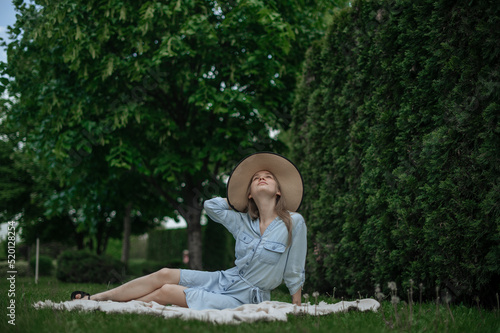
{"x":172,"y":92}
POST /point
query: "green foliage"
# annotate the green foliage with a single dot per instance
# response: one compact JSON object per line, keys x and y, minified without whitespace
{"x":166,"y":245}
{"x":14,"y":183}
{"x":114,"y":248}
{"x":22,"y":268}
{"x":132,"y":101}
{"x":397,"y":132}
{"x":45,"y":265}
{"x":51,"y":249}
{"x":138,"y":247}
{"x":87,"y":267}
{"x":4,"y":248}
{"x":218,"y":247}
{"x":141,"y":267}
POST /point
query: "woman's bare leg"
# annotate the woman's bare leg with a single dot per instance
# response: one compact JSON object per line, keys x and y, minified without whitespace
{"x":139,"y":287}
{"x":167,"y":294}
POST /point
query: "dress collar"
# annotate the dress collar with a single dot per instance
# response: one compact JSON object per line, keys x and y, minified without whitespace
{"x":270,"y":227}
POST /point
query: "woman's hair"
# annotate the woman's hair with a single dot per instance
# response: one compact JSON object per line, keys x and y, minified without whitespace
{"x":281,"y":210}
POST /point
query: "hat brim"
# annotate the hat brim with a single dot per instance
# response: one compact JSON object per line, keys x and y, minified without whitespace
{"x":289,"y":177}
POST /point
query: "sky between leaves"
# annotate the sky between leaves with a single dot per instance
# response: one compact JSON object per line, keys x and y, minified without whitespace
{"x":7,"y":17}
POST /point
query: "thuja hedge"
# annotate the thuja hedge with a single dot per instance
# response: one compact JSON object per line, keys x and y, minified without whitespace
{"x":397,"y":132}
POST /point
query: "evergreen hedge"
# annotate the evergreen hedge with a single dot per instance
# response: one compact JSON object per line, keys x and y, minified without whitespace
{"x":397,"y":132}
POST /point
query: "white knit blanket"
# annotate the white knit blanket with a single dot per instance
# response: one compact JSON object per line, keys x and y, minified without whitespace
{"x":265,"y":311}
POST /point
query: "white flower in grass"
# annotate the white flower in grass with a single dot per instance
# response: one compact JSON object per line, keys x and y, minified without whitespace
{"x":315,"y":295}
{"x":378,"y":293}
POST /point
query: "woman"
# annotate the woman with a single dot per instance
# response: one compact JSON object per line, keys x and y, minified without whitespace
{"x":264,"y":191}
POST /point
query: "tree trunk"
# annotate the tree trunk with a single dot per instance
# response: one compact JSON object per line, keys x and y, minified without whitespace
{"x":127,"y":226}
{"x":77,"y":236}
{"x":101,"y":230}
{"x":191,"y":211}
{"x":79,"y":239}
{"x":195,"y":240}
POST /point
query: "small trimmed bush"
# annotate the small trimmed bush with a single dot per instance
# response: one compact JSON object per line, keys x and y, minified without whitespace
{"x":45,"y":265}
{"x":85,"y":267}
{"x":22,"y":268}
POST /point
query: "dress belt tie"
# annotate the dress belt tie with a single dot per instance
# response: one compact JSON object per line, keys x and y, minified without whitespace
{"x":256,"y":294}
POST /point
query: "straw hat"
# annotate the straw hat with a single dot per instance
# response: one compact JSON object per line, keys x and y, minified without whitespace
{"x":289,"y":177}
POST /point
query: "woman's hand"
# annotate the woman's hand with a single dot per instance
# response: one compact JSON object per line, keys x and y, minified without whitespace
{"x":230,"y":208}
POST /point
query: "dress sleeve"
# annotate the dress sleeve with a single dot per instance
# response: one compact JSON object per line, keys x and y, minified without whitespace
{"x":294,"y":275}
{"x":219,"y":210}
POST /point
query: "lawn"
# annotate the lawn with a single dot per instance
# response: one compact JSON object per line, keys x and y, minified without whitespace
{"x":425,"y":318}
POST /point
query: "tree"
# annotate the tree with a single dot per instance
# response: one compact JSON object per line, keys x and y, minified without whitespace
{"x":15,"y":182}
{"x":175,"y":92}
{"x":105,"y":202}
{"x":22,"y":184}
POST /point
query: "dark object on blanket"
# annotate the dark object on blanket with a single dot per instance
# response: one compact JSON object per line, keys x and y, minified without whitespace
{"x":87,"y":267}
{"x":82,"y":294}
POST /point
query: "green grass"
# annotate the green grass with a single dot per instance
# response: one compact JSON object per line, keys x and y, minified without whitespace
{"x":425,"y":318}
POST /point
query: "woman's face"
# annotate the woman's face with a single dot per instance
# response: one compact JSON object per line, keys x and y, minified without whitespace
{"x":264,"y":182}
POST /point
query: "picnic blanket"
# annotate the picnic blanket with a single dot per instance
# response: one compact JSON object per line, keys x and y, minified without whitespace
{"x":265,"y":311}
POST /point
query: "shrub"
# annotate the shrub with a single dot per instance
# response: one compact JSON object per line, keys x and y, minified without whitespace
{"x":49,"y":249}
{"x":396,"y":130}
{"x":86,"y":267}
{"x":22,"y":268}
{"x":45,"y":265}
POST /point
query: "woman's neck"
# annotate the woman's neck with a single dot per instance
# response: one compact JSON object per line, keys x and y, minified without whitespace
{"x":267,"y":211}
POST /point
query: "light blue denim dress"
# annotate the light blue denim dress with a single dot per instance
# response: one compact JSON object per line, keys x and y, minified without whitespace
{"x":262,"y":262}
